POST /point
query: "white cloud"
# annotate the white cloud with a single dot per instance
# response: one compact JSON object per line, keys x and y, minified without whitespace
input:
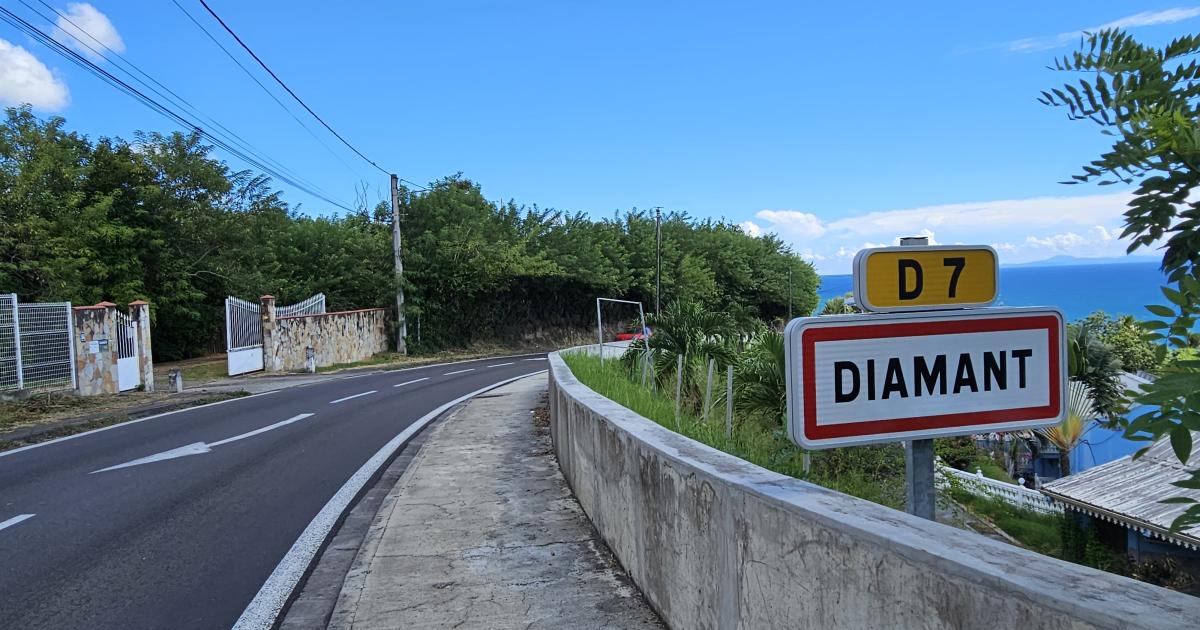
{"x":24,"y":79}
{"x":790,"y":223}
{"x":751,"y":228}
{"x":1021,"y":230}
{"x":88,"y":31}
{"x":1145,"y":18}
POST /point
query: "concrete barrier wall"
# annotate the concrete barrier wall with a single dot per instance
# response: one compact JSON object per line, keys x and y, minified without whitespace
{"x":343,"y":337}
{"x":716,"y":542}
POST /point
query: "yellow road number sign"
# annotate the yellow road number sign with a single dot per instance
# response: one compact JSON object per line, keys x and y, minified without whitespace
{"x":925,"y":278}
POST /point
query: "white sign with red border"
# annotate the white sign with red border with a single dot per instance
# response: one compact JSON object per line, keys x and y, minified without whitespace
{"x":861,"y":379}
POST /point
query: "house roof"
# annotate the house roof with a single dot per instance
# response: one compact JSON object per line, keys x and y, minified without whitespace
{"x":1130,"y":492}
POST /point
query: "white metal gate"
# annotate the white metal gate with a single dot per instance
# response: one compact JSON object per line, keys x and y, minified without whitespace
{"x":36,"y":350}
{"x":314,"y":305}
{"x":243,"y":336}
{"x":129,"y":372}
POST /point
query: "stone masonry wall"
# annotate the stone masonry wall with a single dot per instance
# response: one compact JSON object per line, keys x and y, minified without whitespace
{"x":343,"y":337}
{"x":95,"y":339}
{"x":717,"y":542}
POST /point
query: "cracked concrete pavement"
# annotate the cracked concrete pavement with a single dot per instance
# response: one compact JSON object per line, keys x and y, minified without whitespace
{"x":483,"y":532}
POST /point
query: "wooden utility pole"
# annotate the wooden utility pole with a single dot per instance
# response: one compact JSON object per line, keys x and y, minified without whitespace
{"x":401,"y":324}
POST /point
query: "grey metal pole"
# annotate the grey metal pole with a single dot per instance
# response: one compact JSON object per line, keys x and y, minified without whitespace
{"x":16,"y":319}
{"x":729,"y":402}
{"x":401,"y":324}
{"x":599,"y":332}
{"x":920,"y":493}
{"x":678,"y":386}
{"x":658,"y":260}
{"x":708,"y":388}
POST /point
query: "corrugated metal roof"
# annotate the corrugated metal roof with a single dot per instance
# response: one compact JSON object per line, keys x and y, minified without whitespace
{"x":1131,"y":492}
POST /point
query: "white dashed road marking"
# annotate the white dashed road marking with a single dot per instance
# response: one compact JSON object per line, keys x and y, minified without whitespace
{"x":459,"y":371}
{"x":14,"y":520}
{"x":501,"y":364}
{"x":334,"y":402}
{"x":411,"y":382}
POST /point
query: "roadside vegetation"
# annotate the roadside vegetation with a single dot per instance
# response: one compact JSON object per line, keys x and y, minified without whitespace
{"x":159,"y":218}
{"x":688,"y":339}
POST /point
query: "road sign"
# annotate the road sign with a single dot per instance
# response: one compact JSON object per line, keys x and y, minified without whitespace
{"x":925,"y":278}
{"x":860,"y":379}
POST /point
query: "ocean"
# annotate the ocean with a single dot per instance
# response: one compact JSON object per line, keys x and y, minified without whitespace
{"x":1115,"y":288}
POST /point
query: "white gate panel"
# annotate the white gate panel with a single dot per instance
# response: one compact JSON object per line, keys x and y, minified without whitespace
{"x":129,"y":373}
{"x":243,"y":336}
{"x":245,"y":360}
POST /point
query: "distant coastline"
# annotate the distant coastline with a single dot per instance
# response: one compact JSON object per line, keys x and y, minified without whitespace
{"x":1070,"y":261}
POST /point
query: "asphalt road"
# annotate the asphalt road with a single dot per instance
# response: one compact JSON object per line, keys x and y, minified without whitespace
{"x":187,"y":536}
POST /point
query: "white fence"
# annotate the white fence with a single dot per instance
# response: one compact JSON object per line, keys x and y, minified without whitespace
{"x":1011,"y":493}
{"x":314,"y":305}
{"x":36,"y":350}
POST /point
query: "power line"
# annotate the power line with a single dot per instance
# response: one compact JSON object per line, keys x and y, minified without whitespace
{"x":24,"y":26}
{"x":173,"y":97}
{"x":259,"y":83}
{"x":285,"y":86}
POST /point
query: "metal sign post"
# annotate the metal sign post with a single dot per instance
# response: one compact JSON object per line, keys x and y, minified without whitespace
{"x":920,"y":495}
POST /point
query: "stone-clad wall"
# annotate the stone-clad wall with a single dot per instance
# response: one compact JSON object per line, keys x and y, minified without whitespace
{"x":334,"y":337}
{"x":94,"y":336}
{"x":717,"y":542}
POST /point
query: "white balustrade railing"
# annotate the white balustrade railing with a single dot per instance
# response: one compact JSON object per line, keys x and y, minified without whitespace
{"x":1010,"y":493}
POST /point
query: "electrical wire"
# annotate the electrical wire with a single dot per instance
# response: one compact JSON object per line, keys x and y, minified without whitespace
{"x":129,"y":68}
{"x":260,"y":84}
{"x":24,"y":26}
{"x":285,"y":86}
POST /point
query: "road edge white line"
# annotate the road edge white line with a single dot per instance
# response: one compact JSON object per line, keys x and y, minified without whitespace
{"x":133,"y":422}
{"x":268,"y":602}
{"x":410,"y":382}
{"x":20,"y":518}
{"x":373,"y":391}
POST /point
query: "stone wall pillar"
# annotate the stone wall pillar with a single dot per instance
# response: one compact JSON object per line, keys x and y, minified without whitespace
{"x":139,"y":312}
{"x":95,"y":339}
{"x":270,"y":339}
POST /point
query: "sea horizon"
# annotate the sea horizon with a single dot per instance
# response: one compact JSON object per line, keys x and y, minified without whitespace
{"x":1115,"y":287}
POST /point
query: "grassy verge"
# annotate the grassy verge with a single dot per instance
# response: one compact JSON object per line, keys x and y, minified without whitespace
{"x":1039,"y":532}
{"x":991,"y":469}
{"x":853,"y":471}
{"x":26,"y":412}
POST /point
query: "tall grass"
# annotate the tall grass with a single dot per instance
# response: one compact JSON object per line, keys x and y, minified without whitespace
{"x":865,"y":472}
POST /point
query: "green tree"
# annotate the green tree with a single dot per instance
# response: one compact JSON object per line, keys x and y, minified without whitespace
{"x":1146,"y":99}
{"x":1093,"y":363}
{"x":840,"y":305}
{"x":1126,"y":338}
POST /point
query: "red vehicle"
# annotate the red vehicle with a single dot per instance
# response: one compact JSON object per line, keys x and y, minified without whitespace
{"x":633,"y":333}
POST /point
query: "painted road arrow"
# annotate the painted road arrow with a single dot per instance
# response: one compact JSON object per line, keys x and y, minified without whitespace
{"x":197,"y":448}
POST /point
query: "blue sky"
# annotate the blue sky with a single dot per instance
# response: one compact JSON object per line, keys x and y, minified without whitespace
{"x":836,"y":126}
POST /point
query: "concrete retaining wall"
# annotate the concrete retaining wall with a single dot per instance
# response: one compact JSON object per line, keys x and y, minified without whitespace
{"x":343,"y":337}
{"x":716,"y":542}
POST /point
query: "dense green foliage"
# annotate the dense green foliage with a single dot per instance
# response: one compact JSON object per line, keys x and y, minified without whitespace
{"x":161,"y":219}
{"x":1128,"y":342}
{"x":1148,"y":100}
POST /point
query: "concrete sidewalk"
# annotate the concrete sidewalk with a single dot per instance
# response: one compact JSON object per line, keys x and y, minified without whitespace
{"x":483,"y":532}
